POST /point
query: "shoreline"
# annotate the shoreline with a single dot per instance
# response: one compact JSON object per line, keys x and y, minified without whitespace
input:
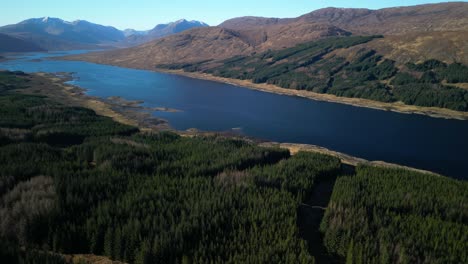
{"x":397,"y":107}
{"x":344,"y":158}
{"x":55,"y":86}
{"x":127,"y":113}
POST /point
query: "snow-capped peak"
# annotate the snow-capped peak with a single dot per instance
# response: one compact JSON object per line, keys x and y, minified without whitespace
{"x":47,"y":19}
{"x":179,"y":21}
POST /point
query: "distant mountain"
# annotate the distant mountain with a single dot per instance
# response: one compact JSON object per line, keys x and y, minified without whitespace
{"x":12,"y":44}
{"x":57,"y":34}
{"x":130,"y":32}
{"x":162,"y":30}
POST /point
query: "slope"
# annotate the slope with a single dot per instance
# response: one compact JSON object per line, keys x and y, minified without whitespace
{"x":13,"y":44}
{"x":346,"y":67}
{"x":212,"y":43}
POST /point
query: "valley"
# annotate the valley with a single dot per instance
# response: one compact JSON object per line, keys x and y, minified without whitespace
{"x":312,"y":57}
{"x":213,"y":106}
{"x":234,"y":184}
{"x":282,"y":133}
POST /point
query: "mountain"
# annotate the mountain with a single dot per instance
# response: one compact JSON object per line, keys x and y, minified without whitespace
{"x":214,"y":43}
{"x":416,"y":33}
{"x":138,"y":37}
{"x":249,"y":22}
{"x":130,"y":32}
{"x":162,"y":30}
{"x":195,"y":44}
{"x":387,"y":21}
{"x":12,"y":44}
{"x":397,"y":20}
{"x":413,"y":33}
{"x":57,"y":34}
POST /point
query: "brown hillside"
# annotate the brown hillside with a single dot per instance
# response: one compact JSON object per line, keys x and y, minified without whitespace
{"x":288,"y":35}
{"x":213,"y":43}
{"x":192,"y":45}
{"x":418,"y":47}
{"x":249,"y":22}
{"x":397,"y":20}
{"x":450,"y":46}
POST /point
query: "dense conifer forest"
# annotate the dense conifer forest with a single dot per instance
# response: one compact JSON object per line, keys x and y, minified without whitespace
{"x":73,"y":182}
{"x":319,"y":67}
{"x":395,"y":216}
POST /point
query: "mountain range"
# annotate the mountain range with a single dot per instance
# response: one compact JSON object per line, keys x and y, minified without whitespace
{"x":415,"y":33}
{"x":161,"y":30}
{"x":56,"y":34}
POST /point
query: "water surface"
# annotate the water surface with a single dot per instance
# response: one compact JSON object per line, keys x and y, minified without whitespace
{"x":434,"y":144}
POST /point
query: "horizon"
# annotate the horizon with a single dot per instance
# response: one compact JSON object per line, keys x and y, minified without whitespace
{"x":151,"y":14}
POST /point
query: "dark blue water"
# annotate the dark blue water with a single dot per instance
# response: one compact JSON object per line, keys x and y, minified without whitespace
{"x":434,"y":144}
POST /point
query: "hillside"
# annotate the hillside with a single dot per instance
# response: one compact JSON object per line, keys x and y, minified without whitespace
{"x":195,"y":45}
{"x":396,"y":20}
{"x":387,"y":21}
{"x":250,"y":22}
{"x":213,"y":43}
{"x":380,"y":216}
{"x":12,"y":44}
{"x":344,"y":67}
{"x":414,"y":33}
{"x":446,"y":46}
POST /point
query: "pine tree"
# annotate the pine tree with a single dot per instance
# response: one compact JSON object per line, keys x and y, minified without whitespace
{"x":349,"y":255}
{"x":117,"y":250}
{"x":108,"y":237}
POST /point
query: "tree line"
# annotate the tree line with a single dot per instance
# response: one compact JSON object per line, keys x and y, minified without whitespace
{"x":317,"y":66}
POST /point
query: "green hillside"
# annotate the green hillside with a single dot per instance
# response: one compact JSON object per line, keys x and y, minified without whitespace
{"x":338,"y":66}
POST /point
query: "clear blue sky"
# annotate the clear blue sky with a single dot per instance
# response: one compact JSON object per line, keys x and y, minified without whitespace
{"x":145,"y":14}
